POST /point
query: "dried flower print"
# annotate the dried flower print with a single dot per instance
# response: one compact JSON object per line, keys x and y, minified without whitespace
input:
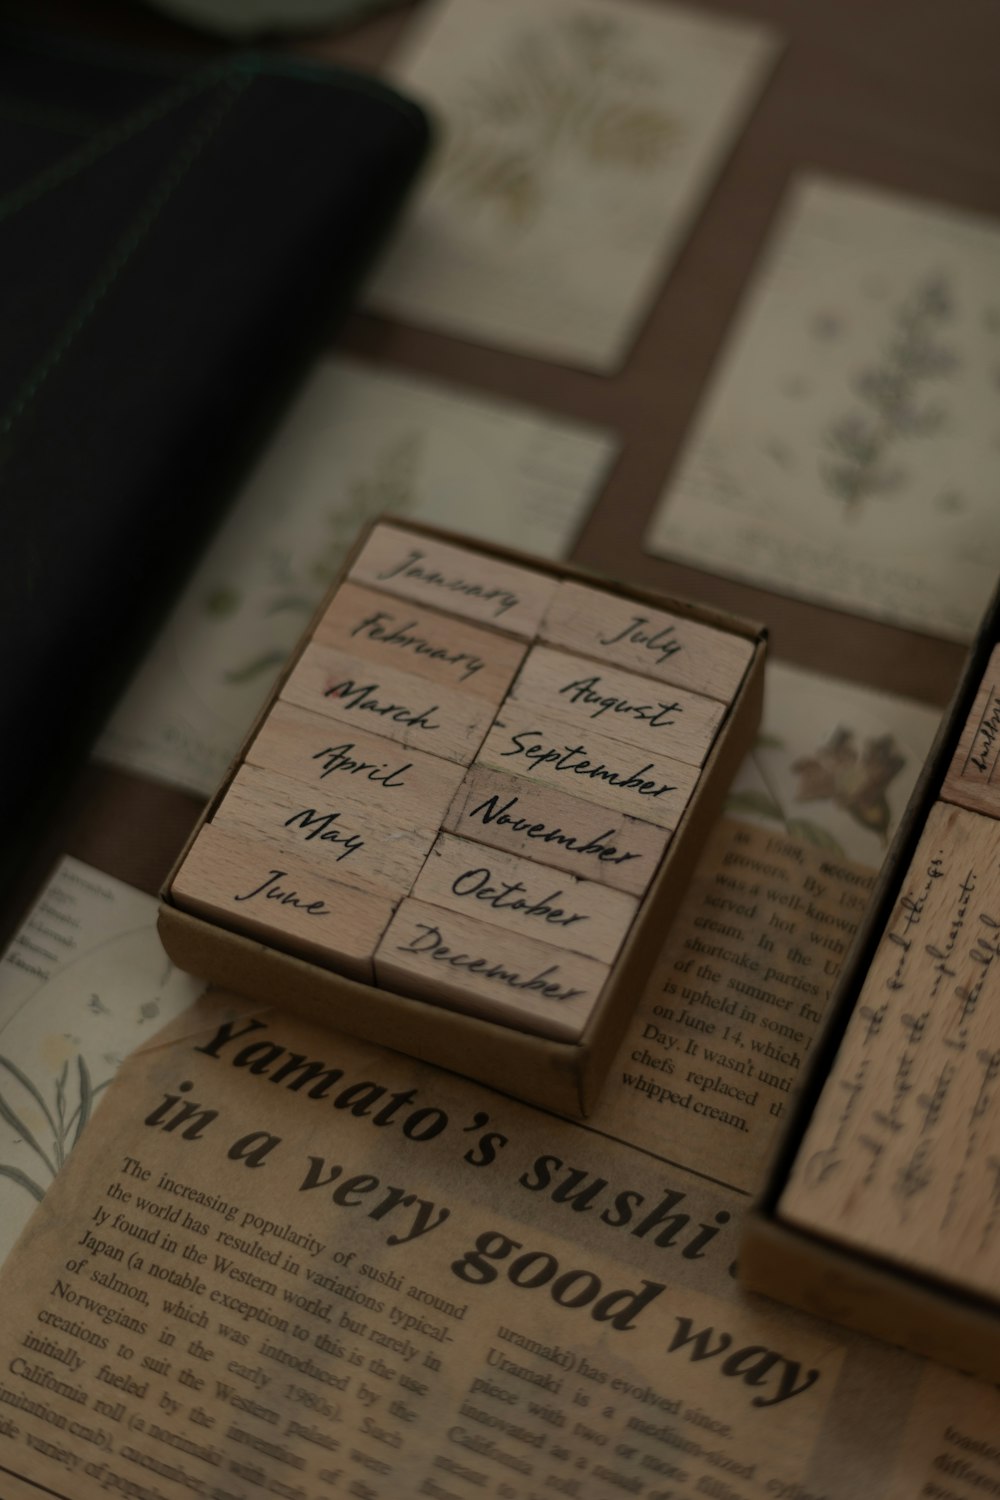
{"x":853,"y":780}
{"x":62,"y":1125}
{"x":295,"y":588}
{"x":569,"y":88}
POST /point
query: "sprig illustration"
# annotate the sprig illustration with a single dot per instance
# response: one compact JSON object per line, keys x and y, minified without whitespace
{"x":570,"y":87}
{"x":64,"y":1125}
{"x":893,"y":408}
{"x":294,"y":589}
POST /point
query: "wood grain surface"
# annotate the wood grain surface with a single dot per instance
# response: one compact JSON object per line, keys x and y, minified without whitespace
{"x":622,"y":705}
{"x":902,"y":1154}
{"x":553,"y":828}
{"x":460,"y":581}
{"x":358,"y":769}
{"x":242,"y":883}
{"x":525,"y":899}
{"x":409,"y":638}
{"x":586,"y":764}
{"x":454,"y":961}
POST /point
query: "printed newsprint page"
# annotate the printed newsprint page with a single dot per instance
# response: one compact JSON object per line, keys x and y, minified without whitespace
{"x":285,"y":1263}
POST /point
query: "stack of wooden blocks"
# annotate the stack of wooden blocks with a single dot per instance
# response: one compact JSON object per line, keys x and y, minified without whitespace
{"x":882,"y":1211}
{"x":467,"y":781}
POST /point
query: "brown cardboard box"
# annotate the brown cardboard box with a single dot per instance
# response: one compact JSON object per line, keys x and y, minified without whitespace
{"x":558,"y":1075}
{"x":863,"y":1291}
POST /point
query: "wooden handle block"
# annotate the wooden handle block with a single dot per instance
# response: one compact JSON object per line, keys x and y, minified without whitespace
{"x":406,"y":637}
{"x":973,"y":778}
{"x":525,"y":899}
{"x":552,"y":828}
{"x":455,"y":579}
{"x":651,"y":642}
{"x":355,"y":769}
{"x":619,"y":704}
{"x":359,"y":847}
{"x":902,"y":1154}
{"x":397,"y":705}
{"x":454,"y":961}
{"x":241,"y":883}
{"x":589,"y":765}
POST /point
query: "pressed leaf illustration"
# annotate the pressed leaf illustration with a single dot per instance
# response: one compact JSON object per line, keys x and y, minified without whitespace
{"x":571,"y":87}
{"x":63,"y":1125}
{"x":893,"y":409}
{"x":295,"y":588}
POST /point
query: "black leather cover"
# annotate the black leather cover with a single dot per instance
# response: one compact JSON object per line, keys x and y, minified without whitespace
{"x":175,"y":243}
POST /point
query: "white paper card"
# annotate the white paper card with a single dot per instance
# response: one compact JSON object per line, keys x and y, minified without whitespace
{"x":83,"y":982}
{"x":358,"y":441}
{"x":849,"y":449}
{"x":578,"y":141}
{"x":834,"y":763}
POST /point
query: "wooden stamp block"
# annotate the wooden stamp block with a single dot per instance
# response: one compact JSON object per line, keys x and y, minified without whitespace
{"x":360,"y":847}
{"x":590,"y":765}
{"x":355,"y":769}
{"x":973,"y":778}
{"x":397,"y":705}
{"x":408,"y":638}
{"x":525,"y":899}
{"x":619,"y":704}
{"x":461,"y":964}
{"x":552,"y":828}
{"x":900,"y":1156}
{"x":241,"y":883}
{"x":458,"y":580}
{"x":651,"y":642}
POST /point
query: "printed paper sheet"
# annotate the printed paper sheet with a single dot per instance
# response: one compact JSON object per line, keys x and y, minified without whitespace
{"x":578,"y":142}
{"x":834,"y":763}
{"x":357,"y":442}
{"x":849,"y":447}
{"x":83,"y":982}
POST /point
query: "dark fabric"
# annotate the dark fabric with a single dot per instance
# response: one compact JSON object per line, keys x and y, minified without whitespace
{"x":174,"y":245}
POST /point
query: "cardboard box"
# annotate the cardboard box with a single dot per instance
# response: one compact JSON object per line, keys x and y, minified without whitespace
{"x":870,"y":1292}
{"x":543,"y":1070}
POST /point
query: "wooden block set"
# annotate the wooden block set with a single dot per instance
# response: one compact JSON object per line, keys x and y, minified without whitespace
{"x":899,"y":1158}
{"x":464,"y":786}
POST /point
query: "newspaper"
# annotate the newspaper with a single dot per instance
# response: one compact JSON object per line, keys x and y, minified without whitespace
{"x":281,"y":1262}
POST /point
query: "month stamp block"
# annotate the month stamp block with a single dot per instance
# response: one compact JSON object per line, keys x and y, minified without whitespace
{"x":654,"y":788}
{"x":973,"y":778}
{"x":525,"y":898}
{"x":362,"y":771}
{"x":568,"y":833}
{"x":457,"y":579}
{"x":611,"y":627}
{"x":241,"y":882}
{"x":399,"y":705}
{"x":622,"y":705}
{"x":366,"y":848}
{"x":457,"y":961}
{"x":394,"y":633}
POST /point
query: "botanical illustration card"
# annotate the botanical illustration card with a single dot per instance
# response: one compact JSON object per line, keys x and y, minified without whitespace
{"x":83,"y":982}
{"x":849,"y":450}
{"x":357,"y":442}
{"x":834,"y":763}
{"x":577,"y":142}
